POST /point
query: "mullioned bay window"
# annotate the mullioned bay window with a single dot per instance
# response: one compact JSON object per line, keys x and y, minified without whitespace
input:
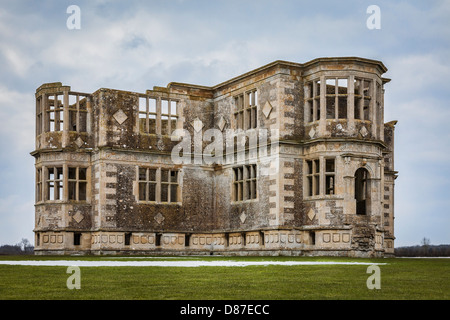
{"x":52,"y":181}
{"x":50,"y":109}
{"x":336,"y":99}
{"x":363,"y":96}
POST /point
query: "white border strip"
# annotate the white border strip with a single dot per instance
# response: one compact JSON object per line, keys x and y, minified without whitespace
{"x":217,"y":263}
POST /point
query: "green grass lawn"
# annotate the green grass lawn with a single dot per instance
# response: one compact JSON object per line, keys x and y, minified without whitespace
{"x":422,"y":279}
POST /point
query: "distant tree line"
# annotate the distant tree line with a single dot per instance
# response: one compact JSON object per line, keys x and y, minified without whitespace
{"x":23,"y":247}
{"x":424,"y":250}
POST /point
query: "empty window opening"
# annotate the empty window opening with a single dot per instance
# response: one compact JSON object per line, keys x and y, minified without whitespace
{"x":245,"y":183}
{"x":246,"y":106}
{"x":312,"y":238}
{"x":312,"y":99}
{"x":38,"y":184}
{"x":77,"y":239}
{"x":77,"y":113}
{"x":147,"y":184}
{"x":313,"y":177}
{"x":153,"y":179}
{"x":227,"y":239}
{"x":336,"y":98}
{"x":77,"y":182}
{"x":362,"y":195}
{"x":261,"y":237}
{"x":154,"y":110}
{"x":363,"y":96}
{"x":158,"y":239}
{"x":329,"y":176}
{"x":54,"y":183}
{"x":54,"y":113}
{"x":187,"y":239}
{"x":127,"y":238}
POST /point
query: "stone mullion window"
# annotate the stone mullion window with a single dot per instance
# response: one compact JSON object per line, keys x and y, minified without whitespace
{"x":158,"y":185}
{"x":39,"y":126}
{"x":239,"y":113}
{"x":78,"y":113}
{"x":169,"y":185}
{"x":157,"y":116}
{"x":363,"y":98}
{"x":330,"y":176}
{"x":54,"y":183}
{"x":147,"y":114}
{"x":169,"y":116}
{"x":77,"y":183}
{"x":251,"y":109}
{"x":54,"y":110}
{"x":39,"y":184}
{"x":313,"y":177}
{"x":336,"y":98}
{"x":147,"y":184}
{"x":245,"y":183}
{"x":238,"y":183}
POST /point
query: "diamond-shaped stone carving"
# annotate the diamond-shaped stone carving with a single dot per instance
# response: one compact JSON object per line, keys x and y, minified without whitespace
{"x":197,"y":125}
{"x":159,"y":218}
{"x":311,"y":214}
{"x":363,"y":132}
{"x":160,"y":145}
{"x":243,"y":216}
{"x":221,"y":123}
{"x":78,"y":217}
{"x":267,"y":109}
{"x":79,"y":142}
{"x":311,"y":133}
{"x":120,"y":116}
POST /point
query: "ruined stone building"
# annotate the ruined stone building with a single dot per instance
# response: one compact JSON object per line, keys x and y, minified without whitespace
{"x":290,"y":158}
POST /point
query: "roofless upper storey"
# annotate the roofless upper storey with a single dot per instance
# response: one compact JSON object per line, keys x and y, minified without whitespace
{"x":320,"y":182}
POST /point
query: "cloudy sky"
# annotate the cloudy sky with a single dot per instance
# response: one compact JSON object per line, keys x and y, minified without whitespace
{"x":135,"y":45}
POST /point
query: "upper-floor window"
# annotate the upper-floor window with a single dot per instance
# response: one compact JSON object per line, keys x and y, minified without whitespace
{"x":312,"y":100}
{"x":363,"y":97}
{"x":336,"y":98}
{"x":244,"y":183}
{"x":337,"y":101}
{"x":77,"y":113}
{"x":245,"y":114}
{"x":50,"y":112}
{"x":157,"y":115}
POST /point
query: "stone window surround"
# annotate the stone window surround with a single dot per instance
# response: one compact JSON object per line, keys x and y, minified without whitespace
{"x":315,"y":97}
{"x":157,"y":182}
{"x":246,"y":110}
{"x":317,"y":176}
{"x":247,"y":176}
{"x":156,"y":112}
{"x":71,"y":109}
{"x":60,"y":185}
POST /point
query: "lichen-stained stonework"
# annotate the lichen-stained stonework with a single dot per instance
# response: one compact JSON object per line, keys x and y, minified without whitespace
{"x":287,"y":159}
